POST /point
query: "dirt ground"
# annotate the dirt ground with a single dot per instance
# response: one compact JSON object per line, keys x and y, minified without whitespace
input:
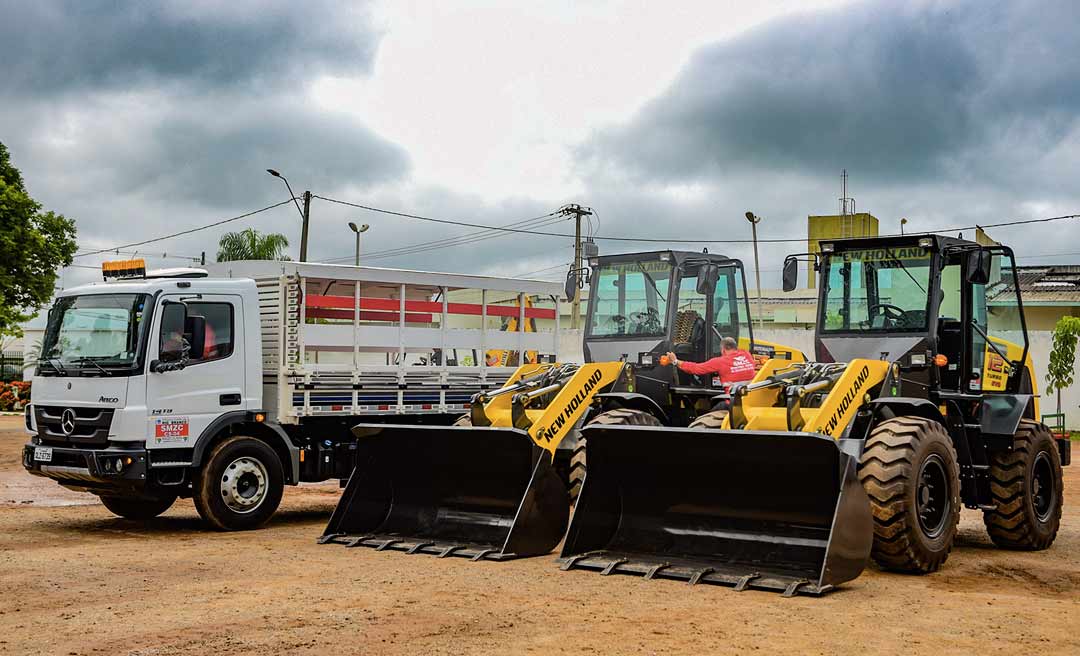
{"x":77,"y":580}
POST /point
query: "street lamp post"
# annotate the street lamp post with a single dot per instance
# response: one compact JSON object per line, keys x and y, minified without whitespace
{"x":754,"y":220}
{"x":358,"y":230}
{"x":305,"y":213}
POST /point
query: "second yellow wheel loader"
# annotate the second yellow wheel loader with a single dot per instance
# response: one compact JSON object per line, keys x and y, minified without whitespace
{"x":495,"y":485}
{"x":922,"y":400}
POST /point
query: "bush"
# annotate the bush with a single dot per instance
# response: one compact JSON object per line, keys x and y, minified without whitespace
{"x":14,"y":395}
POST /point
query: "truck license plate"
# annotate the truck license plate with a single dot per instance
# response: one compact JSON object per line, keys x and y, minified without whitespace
{"x":42,"y":454}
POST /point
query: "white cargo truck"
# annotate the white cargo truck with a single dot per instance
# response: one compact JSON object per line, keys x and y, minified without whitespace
{"x":225,"y":384}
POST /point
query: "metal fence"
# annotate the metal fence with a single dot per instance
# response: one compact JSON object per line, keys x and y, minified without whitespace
{"x":11,"y":366}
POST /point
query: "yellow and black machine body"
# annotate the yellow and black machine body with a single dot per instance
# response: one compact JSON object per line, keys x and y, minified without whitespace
{"x":499,"y":483}
{"x":922,"y":400}
{"x":644,"y":305}
{"x":485,"y":488}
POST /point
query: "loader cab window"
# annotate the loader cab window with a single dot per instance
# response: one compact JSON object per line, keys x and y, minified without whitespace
{"x":878,"y":290}
{"x":630,"y":299}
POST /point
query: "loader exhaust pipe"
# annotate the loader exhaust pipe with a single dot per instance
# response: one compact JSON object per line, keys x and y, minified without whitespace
{"x":762,"y":509}
{"x":474,"y":492}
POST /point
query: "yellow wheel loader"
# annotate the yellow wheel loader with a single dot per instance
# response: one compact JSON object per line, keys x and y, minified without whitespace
{"x":495,"y":485}
{"x":922,"y":400}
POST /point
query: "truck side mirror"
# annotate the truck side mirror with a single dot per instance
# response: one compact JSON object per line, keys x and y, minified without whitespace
{"x":978,"y":265}
{"x":172,"y":347}
{"x":708,"y":274}
{"x":791,"y":273}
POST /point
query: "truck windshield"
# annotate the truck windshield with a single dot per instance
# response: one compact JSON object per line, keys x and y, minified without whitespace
{"x":883,"y":289}
{"x":93,"y":332}
{"x":630,"y":298}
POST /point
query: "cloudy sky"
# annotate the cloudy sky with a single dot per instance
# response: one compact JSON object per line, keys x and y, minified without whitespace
{"x":139,"y":120}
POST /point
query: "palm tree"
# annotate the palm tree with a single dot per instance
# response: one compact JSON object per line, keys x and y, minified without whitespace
{"x":250,"y":245}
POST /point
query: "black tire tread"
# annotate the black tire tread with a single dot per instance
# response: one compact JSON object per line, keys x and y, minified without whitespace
{"x":886,"y":470}
{"x":710,"y":420}
{"x":205,"y":489}
{"x":1009,"y":525}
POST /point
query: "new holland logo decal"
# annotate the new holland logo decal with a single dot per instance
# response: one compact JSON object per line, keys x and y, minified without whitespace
{"x":847,"y":401}
{"x":563,"y":420}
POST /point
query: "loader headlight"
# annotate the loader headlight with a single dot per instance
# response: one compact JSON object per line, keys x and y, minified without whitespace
{"x":645,"y":359}
{"x":827,"y":248}
{"x":926,"y":242}
{"x":918,"y":359}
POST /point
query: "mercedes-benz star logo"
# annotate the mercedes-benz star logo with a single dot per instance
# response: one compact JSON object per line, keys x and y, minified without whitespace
{"x":67,"y":421}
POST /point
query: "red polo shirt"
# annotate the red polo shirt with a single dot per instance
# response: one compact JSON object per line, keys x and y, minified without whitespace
{"x":732,"y":367}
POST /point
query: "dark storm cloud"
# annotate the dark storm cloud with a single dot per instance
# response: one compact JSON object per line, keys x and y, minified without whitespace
{"x":894,"y":92}
{"x":50,"y":47}
{"x":182,"y":102}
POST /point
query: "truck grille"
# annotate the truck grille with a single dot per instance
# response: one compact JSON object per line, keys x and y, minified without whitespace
{"x":90,"y":425}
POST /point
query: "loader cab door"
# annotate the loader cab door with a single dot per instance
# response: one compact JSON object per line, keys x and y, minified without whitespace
{"x":998,"y":333}
{"x":950,"y":318}
{"x":702,"y":320}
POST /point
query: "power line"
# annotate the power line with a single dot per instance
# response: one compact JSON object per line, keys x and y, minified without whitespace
{"x":665,"y":240}
{"x":459,"y":240}
{"x":185,"y":232}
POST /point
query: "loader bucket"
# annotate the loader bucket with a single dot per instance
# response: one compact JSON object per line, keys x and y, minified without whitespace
{"x":771,"y":510}
{"x":480,"y":493}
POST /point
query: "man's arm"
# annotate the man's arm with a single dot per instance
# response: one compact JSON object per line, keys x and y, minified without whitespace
{"x":696,"y":368}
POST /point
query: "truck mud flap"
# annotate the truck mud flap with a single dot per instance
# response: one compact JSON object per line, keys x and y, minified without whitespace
{"x":479,"y":493}
{"x":752,"y":509}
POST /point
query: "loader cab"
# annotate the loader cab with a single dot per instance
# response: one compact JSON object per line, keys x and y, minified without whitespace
{"x":642,"y":305}
{"x":948,"y":310}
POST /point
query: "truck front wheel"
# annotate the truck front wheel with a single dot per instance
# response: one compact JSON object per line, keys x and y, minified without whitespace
{"x":240,"y":485}
{"x":139,"y":508}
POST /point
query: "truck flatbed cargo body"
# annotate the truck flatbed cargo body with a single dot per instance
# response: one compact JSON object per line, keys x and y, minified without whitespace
{"x":226,"y":384}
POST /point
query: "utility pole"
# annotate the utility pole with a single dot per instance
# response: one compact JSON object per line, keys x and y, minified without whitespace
{"x":304,"y":230}
{"x":754,"y":219}
{"x":575,"y":307}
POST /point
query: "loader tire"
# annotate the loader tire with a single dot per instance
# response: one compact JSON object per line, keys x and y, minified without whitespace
{"x":138,"y":508}
{"x":1026,"y":485}
{"x":239,"y":485}
{"x":710,"y":420}
{"x":909,"y":471}
{"x":621,"y":417}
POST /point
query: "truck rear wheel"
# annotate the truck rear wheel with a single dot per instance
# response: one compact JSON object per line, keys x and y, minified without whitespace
{"x":620,"y":417}
{"x":140,"y":508}
{"x":240,"y":484}
{"x":910,"y":473}
{"x":1027,"y":488}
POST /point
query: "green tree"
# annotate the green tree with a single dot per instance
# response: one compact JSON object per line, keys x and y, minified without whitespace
{"x":33,"y":245}
{"x":1059,"y":372}
{"x":251,"y":245}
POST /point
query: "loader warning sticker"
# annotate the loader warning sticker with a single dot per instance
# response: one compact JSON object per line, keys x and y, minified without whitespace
{"x":171,"y":429}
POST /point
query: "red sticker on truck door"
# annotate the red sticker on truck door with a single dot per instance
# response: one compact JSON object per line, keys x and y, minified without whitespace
{"x":171,"y":428}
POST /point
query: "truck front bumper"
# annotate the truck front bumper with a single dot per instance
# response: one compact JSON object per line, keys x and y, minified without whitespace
{"x":120,"y":469}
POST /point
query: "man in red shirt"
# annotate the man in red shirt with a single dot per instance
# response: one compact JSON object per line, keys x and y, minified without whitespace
{"x":734,"y":364}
